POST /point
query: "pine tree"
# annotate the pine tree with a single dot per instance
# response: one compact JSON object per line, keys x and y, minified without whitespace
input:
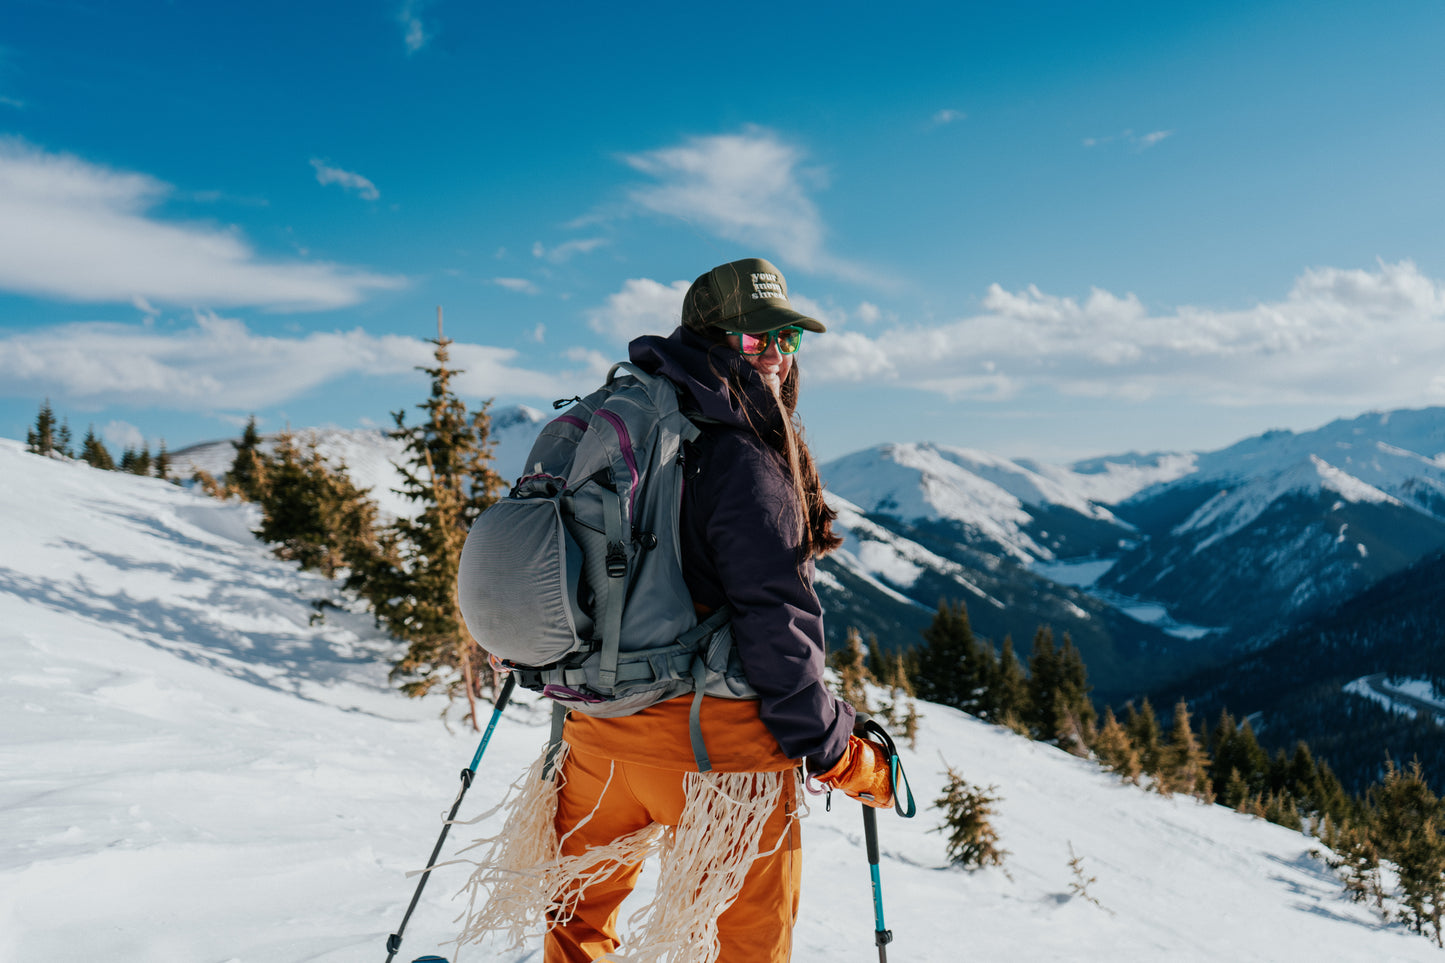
{"x":1077,"y":711}
{"x":1114,"y":749}
{"x":411,"y":583}
{"x":1357,"y":858}
{"x":1058,"y":688}
{"x":972,"y":840}
{"x":41,"y":438}
{"x":877,"y":664}
{"x":953,"y":669}
{"x":247,"y":476}
{"x":1235,"y":749}
{"x":93,"y":452}
{"x":62,"y":439}
{"x":1143,"y":728}
{"x":853,"y":671}
{"x":1184,"y":764}
{"x":313,"y":512}
{"x":163,"y":462}
{"x":1010,"y":688}
{"x":1409,"y":818}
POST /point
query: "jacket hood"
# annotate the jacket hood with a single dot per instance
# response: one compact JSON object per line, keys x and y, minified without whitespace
{"x":718,"y":382}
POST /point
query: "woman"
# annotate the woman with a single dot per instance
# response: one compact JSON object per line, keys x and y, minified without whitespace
{"x":752,"y":521}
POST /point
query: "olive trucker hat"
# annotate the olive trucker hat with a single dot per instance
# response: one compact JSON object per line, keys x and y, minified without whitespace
{"x":749,"y":296}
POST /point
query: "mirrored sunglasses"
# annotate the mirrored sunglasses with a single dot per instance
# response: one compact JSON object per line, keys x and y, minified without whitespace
{"x":752,"y":345}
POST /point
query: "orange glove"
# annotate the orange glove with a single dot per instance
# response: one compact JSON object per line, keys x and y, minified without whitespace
{"x":863,"y":773}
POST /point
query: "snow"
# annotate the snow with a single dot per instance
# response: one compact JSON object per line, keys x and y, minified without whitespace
{"x":1233,"y":509}
{"x":1408,"y":697}
{"x":371,"y":454}
{"x":880,"y":557}
{"x":197,"y":770}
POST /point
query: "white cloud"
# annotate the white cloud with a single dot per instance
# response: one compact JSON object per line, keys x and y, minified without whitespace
{"x":520,"y":285}
{"x":349,"y":180}
{"x":948,"y":116}
{"x":1365,"y":337}
{"x":78,"y":231}
{"x":595,"y":363}
{"x":748,"y":188}
{"x":1139,"y":142}
{"x":414,"y":32}
{"x":122,"y":435}
{"x":643,"y":306}
{"x":219,"y":364}
{"x":567,"y":249}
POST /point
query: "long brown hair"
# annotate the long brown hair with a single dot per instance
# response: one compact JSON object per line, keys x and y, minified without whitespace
{"x":814,"y":517}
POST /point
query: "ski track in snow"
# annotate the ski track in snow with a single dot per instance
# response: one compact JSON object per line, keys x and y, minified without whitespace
{"x":195,"y":772}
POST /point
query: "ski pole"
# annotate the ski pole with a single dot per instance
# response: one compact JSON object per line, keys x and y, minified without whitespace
{"x":869,"y":729}
{"x":393,"y":942}
{"x":882,"y":936}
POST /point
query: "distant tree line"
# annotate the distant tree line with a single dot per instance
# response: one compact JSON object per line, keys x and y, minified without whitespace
{"x":50,"y":437}
{"x":1387,"y":843}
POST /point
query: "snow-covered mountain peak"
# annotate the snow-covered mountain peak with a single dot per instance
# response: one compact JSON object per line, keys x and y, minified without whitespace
{"x":920,"y":481}
{"x":1233,"y":509}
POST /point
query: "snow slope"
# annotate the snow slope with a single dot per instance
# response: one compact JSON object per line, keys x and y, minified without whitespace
{"x":196,"y":769}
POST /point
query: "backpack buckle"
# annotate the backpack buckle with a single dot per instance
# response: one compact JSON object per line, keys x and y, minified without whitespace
{"x":616,"y":561}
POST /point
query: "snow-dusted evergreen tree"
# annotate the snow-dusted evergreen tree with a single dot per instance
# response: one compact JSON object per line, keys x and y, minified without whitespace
{"x":967,"y":809}
{"x":411,"y":583}
{"x":1409,"y":819}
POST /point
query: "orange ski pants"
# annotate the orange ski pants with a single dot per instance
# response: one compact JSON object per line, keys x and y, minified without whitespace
{"x":757,"y":928}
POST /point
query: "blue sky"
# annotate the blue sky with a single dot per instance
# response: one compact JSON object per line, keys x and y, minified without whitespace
{"x":1045,"y":229}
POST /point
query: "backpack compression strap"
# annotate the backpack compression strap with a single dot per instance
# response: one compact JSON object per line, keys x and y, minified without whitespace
{"x":616,"y":593}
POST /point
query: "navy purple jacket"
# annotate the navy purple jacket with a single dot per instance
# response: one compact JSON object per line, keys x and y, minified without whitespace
{"x":740,"y":544}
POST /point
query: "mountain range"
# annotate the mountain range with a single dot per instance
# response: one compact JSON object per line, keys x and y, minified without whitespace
{"x":1162,"y":567}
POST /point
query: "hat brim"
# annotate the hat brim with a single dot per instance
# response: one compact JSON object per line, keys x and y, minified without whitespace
{"x":771,"y":318}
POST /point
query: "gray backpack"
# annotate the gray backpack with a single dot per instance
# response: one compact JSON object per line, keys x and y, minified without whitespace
{"x":574,"y":581}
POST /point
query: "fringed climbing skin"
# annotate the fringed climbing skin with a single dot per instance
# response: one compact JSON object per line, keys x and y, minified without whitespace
{"x":522,"y":883}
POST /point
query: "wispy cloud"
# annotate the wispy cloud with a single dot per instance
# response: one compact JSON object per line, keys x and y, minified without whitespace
{"x":349,"y":180}
{"x":414,"y":32}
{"x":79,"y":231}
{"x":217,"y":363}
{"x":948,"y":116}
{"x":752,"y":188}
{"x":15,"y":102}
{"x":520,"y":285}
{"x":1364,"y":337}
{"x":567,"y":249}
{"x":1140,"y":142}
{"x":643,"y":306}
